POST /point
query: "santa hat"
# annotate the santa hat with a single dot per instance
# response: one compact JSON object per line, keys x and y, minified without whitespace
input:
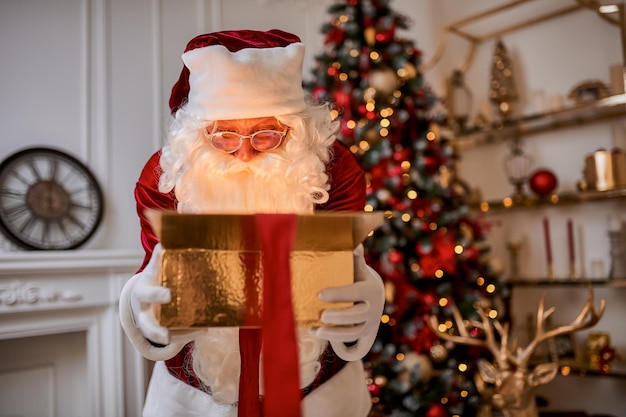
{"x":241,"y":74}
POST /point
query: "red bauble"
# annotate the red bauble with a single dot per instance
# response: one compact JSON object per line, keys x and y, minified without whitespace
{"x":543,"y":182}
{"x":318,"y":92}
{"x":437,"y":410}
{"x":374,"y":389}
{"x":335,"y":36}
{"x":341,"y":98}
{"x":429,"y":299}
{"x":346,"y":132}
{"x":401,"y":155}
{"x":471,"y":253}
{"x":396,"y":257}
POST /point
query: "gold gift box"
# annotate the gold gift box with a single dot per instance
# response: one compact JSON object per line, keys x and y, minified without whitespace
{"x":212,"y":265}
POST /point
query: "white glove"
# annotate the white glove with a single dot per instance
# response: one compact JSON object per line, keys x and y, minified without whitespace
{"x":141,"y":293}
{"x":360,"y":322}
{"x":145,"y":292}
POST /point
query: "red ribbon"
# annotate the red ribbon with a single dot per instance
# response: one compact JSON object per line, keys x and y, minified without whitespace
{"x":249,"y":349}
{"x":250,"y":338}
{"x":281,"y":378}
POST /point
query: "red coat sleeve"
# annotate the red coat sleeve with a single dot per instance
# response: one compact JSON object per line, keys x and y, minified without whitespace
{"x":347,"y":181}
{"x":347,"y":192}
{"x":147,"y":195}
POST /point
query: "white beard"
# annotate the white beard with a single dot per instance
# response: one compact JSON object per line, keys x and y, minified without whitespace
{"x":221,"y":183}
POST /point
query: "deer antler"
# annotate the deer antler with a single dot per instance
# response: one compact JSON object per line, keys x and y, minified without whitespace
{"x":587,"y":313}
{"x":499,"y":350}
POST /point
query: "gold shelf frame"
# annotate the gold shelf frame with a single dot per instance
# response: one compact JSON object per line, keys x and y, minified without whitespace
{"x":584,"y":113}
{"x":569,"y":282}
{"x":458,"y":28}
{"x":565,"y":198}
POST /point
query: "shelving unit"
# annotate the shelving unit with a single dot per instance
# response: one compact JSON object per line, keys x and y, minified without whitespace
{"x":565,"y":198}
{"x":545,"y":282}
{"x":581,"y":114}
{"x":517,"y":218}
{"x":579,"y":371}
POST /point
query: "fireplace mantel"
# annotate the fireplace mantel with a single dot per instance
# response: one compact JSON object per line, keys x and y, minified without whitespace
{"x":30,"y":261}
{"x":42,"y":280}
{"x":56,"y":292}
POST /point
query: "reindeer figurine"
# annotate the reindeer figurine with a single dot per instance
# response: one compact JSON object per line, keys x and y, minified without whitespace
{"x":514,"y":382}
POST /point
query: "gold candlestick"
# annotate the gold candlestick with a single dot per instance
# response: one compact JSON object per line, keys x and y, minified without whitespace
{"x":572,"y":270}
{"x":514,"y":248}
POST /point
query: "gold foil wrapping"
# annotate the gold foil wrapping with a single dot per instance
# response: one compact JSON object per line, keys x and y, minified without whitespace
{"x":212,"y":266}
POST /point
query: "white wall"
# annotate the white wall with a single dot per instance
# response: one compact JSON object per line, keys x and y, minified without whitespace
{"x":92,"y":77}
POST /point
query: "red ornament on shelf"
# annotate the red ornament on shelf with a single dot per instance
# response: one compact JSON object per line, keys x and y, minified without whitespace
{"x":543,"y":182}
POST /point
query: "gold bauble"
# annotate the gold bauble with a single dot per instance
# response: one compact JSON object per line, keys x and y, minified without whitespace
{"x":390,"y":292}
{"x":372,"y":135}
{"x":370,"y":35}
{"x":438,"y":352}
{"x":384,"y":80}
{"x":412,"y":359}
{"x":408,"y":72}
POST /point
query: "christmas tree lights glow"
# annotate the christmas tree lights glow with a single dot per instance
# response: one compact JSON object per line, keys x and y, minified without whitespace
{"x":431,"y":251}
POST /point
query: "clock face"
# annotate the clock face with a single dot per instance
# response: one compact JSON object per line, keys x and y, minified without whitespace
{"x":48,"y":200}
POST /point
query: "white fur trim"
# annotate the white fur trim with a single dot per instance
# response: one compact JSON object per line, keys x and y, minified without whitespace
{"x":248,"y":83}
{"x":144,"y":347}
{"x":344,"y":395}
{"x":168,"y":396}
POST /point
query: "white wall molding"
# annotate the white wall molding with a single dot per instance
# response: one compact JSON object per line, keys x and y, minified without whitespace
{"x":29,"y":262}
{"x":156,"y":12}
{"x":215,"y":18}
{"x":96,"y":140}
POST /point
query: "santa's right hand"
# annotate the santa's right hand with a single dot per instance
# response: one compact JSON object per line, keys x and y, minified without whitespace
{"x":144,"y":295}
{"x":140,"y":297}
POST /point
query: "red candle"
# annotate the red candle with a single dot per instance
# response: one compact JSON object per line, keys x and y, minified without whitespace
{"x":570,"y":241}
{"x":546,"y":234}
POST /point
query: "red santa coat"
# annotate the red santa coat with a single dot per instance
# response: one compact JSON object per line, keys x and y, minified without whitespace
{"x":339,"y":388}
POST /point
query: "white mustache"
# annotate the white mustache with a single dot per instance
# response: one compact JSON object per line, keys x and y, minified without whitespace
{"x":262,"y":165}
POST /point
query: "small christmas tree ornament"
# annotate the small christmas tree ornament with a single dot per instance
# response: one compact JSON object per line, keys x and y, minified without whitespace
{"x":502,"y":90}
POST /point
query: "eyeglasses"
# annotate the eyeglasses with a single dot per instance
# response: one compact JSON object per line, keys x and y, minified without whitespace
{"x":261,"y":140}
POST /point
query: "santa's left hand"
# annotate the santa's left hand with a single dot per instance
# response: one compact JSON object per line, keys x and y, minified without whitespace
{"x":357,"y":325}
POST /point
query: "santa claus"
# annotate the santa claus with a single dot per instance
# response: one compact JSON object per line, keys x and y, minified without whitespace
{"x":243,"y":138}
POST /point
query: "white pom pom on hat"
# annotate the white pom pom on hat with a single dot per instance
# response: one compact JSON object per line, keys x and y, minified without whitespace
{"x":241,"y":74}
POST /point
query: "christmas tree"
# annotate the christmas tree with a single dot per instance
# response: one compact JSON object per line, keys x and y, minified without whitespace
{"x":431,"y":251}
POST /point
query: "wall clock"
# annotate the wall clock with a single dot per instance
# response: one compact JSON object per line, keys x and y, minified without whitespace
{"x":49,"y":200}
